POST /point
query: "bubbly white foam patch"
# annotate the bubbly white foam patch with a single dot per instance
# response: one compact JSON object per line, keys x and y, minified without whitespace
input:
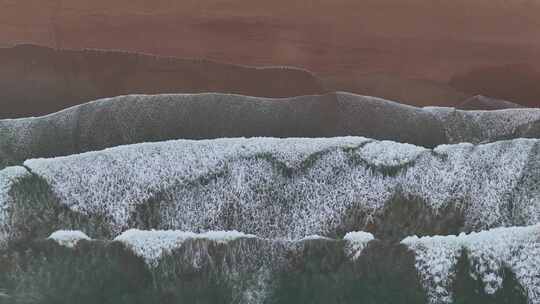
{"x":356,"y":242}
{"x":517,"y":248}
{"x":387,"y":153}
{"x":224,"y":236}
{"x":213,"y":184}
{"x":313,"y":237}
{"x":436,"y":258}
{"x":68,"y":238}
{"x":8,"y":176}
{"x":153,"y":244}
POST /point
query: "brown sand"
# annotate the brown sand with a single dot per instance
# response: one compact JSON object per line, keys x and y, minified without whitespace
{"x":422,"y":39}
{"x":416,"y":45}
